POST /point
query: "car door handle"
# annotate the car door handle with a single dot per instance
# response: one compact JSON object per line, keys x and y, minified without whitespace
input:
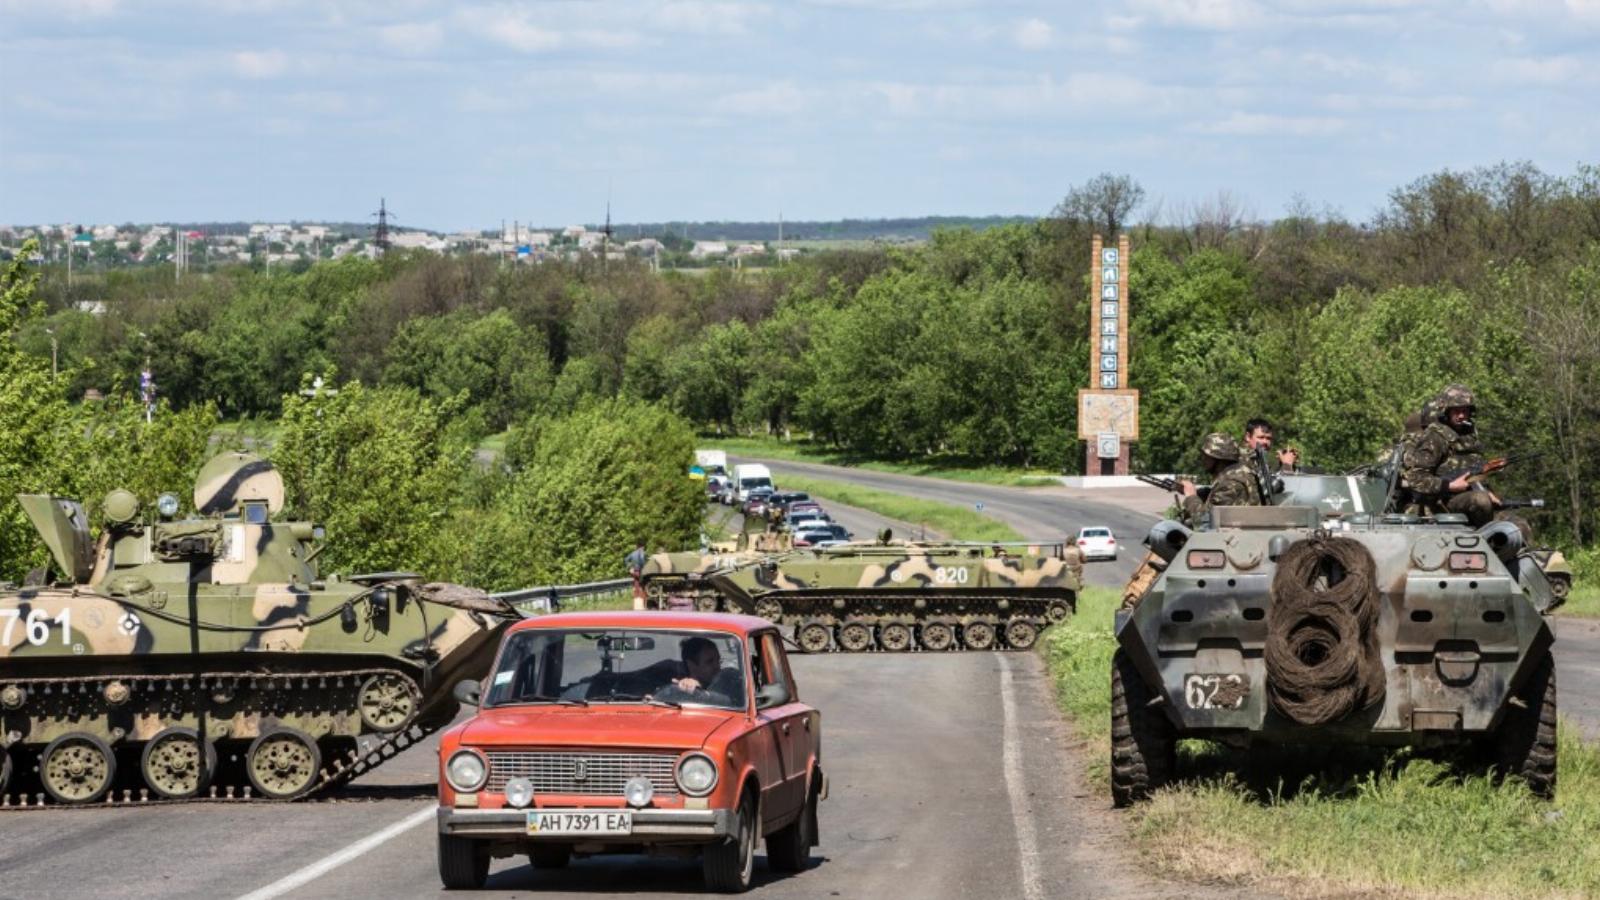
{"x":786,"y":728}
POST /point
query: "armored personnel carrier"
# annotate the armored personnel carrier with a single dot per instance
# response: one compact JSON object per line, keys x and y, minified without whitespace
{"x":179,"y":655}
{"x":886,"y":596}
{"x":1325,"y":620}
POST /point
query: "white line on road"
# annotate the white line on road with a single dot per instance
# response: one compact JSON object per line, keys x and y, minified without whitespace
{"x":1027,"y":840}
{"x":329,"y":863}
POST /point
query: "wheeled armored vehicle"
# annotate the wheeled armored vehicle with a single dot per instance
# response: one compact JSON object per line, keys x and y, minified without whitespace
{"x":1325,"y":620}
{"x":179,"y":655}
{"x":931,"y":596}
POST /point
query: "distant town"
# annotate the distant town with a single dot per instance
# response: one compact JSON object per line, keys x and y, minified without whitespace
{"x":297,"y":245}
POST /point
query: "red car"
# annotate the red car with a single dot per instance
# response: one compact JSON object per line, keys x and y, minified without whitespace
{"x":668,"y":733}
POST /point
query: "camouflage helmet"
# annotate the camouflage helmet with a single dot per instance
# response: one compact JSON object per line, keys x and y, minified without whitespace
{"x":1218,"y":445}
{"x":1455,"y":396}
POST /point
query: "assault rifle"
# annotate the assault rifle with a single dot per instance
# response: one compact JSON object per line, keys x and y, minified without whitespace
{"x":1476,"y":473}
{"x":1534,"y":503}
{"x":1171,"y":485}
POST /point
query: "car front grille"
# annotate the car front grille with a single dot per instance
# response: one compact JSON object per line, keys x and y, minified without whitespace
{"x":577,"y":772}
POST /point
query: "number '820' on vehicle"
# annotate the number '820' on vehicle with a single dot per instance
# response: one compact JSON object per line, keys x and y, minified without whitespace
{"x":674,"y":734}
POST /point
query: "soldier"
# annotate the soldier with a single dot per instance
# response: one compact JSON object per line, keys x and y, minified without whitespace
{"x":1448,"y":442}
{"x":1233,"y":482}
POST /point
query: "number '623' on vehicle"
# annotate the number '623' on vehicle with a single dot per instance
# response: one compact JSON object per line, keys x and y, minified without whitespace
{"x":674,"y":734}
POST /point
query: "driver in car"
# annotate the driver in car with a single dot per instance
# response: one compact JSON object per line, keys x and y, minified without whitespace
{"x":700,"y":676}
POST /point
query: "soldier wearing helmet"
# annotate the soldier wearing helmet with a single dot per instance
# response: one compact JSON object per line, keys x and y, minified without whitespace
{"x":1232,"y":481}
{"x":1448,"y":442}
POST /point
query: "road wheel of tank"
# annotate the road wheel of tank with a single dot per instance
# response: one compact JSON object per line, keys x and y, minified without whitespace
{"x":1560,"y":585}
{"x":550,"y":856}
{"x":387,"y":702}
{"x":463,"y":863}
{"x":706,"y":602}
{"x":283,"y":764}
{"x":770,"y":609}
{"x":814,"y":637}
{"x":1525,"y":744}
{"x":728,"y":864}
{"x":894,"y":637}
{"x":854,"y":637}
{"x":170,"y":764}
{"x":77,"y":768}
{"x":1021,"y":634}
{"x":1144,"y":746}
{"x":938,"y":636}
{"x":1058,"y":611}
{"x":978,"y":635}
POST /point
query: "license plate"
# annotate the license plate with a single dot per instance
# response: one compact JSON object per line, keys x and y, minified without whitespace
{"x":566,"y":822}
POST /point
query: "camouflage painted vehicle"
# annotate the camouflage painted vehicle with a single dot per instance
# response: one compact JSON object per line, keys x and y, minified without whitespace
{"x":1325,"y":620}
{"x":218,"y":624}
{"x":888,"y":596}
{"x":1556,"y":570}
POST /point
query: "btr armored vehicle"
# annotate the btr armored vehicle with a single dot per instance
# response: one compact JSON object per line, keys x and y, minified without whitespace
{"x":1325,"y":620}
{"x":932,"y":596}
{"x":207,"y":651}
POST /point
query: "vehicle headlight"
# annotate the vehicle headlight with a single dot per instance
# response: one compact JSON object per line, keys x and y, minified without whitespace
{"x":638,"y":791}
{"x":697,"y":774}
{"x":519,"y":792}
{"x":466,"y":771}
{"x":167,"y":505}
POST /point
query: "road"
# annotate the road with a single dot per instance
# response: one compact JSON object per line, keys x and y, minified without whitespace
{"x":950,"y":778}
{"x":1053,"y":513}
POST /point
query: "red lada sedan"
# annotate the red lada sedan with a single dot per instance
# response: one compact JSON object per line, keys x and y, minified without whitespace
{"x":633,"y":732}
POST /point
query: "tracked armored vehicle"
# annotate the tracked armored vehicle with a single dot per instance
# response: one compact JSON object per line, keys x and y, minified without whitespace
{"x":114,"y":664}
{"x":885,"y":596}
{"x":1325,"y":620}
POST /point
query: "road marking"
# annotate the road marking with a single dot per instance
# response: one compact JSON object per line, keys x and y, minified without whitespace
{"x":329,"y":863}
{"x":1027,"y":840}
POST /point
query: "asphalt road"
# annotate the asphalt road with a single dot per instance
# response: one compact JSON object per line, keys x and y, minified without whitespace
{"x":1054,"y":513}
{"x":949,"y":778}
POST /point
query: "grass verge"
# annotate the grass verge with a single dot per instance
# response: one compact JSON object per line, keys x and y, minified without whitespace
{"x":1329,"y":822}
{"x":1582,"y":603}
{"x":957,"y":522}
{"x":952,"y":468}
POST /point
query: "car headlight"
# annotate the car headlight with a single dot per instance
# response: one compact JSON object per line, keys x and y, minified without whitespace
{"x":519,"y":792}
{"x":638,"y":791}
{"x":466,"y":771}
{"x":167,"y":505}
{"x":697,"y":774}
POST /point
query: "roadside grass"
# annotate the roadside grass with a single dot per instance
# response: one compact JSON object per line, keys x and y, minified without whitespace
{"x":1582,"y":603}
{"x":956,"y":522}
{"x":949,"y":467}
{"x":495,"y":443}
{"x":1331,"y":822}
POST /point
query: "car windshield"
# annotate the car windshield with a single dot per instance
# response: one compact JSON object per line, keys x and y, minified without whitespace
{"x":589,"y":666}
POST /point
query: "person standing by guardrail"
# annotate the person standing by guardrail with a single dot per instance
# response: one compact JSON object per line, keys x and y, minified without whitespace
{"x":635,"y":563}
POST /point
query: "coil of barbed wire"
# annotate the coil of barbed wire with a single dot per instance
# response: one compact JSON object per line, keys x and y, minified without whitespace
{"x":1322,"y":654}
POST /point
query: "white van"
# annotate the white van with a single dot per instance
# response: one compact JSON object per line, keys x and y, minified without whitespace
{"x":747,"y":477}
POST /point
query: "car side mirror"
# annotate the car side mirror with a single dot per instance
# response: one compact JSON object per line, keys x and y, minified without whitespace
{"x":771,"y":695}
{"x":468,"y":691}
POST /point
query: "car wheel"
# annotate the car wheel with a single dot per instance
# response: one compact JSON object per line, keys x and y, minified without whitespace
{"x":463,"y":863}
{"x":789,"y":848}
{"x":729,"y":862}
{"x":550,"y":856}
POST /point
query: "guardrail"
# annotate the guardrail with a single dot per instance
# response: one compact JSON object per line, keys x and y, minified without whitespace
{"x":571,"y":597}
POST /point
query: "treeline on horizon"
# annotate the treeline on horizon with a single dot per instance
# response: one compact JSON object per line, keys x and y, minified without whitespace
{"x":971,"y":347}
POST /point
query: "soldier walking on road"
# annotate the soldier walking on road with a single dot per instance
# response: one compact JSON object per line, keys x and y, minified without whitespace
{"x":1448,"y":443}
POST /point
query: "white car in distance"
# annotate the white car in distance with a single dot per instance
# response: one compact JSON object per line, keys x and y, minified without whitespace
{"x":1095,"y":542}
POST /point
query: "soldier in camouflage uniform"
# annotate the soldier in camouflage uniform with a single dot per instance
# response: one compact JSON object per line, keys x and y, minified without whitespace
{"x":1448,"y":442}
{"x":1233,"y":484}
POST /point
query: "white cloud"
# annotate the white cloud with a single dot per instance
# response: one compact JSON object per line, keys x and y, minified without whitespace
{"x":513,"y":27}
{"x":1034,"y":34}
{"x":1588,"y":10}
{"x":412,"y":37}
{"x":71,"y":9}
{"x":778,"y":99}
{"x":703,"y":17}
{"x":1546,"y":70}
{"x":260,"y":63}
{"x":1207,"y":15}
{"x":1268,"y":125}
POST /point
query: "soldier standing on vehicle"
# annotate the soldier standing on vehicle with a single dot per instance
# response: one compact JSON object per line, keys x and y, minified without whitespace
{"x":1233,"y":482}
{"x":1448,"y":443}
{"x":635,"y":560}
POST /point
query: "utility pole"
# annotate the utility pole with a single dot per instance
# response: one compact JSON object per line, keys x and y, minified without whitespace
{"x":381,"y":237}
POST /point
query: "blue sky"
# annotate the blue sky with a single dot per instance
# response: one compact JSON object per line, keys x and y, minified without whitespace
{"x":463,"y":114}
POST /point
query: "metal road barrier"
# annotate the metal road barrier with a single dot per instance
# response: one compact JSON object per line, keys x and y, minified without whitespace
{"x":614,"y":594}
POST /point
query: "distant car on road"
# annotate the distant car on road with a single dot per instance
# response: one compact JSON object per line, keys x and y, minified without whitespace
{"x":1096,"y":542}
{"x":667,"y":733}
{"x":820,"y":534}
{"x":798,"y":517}
{"x":755,"y":502}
